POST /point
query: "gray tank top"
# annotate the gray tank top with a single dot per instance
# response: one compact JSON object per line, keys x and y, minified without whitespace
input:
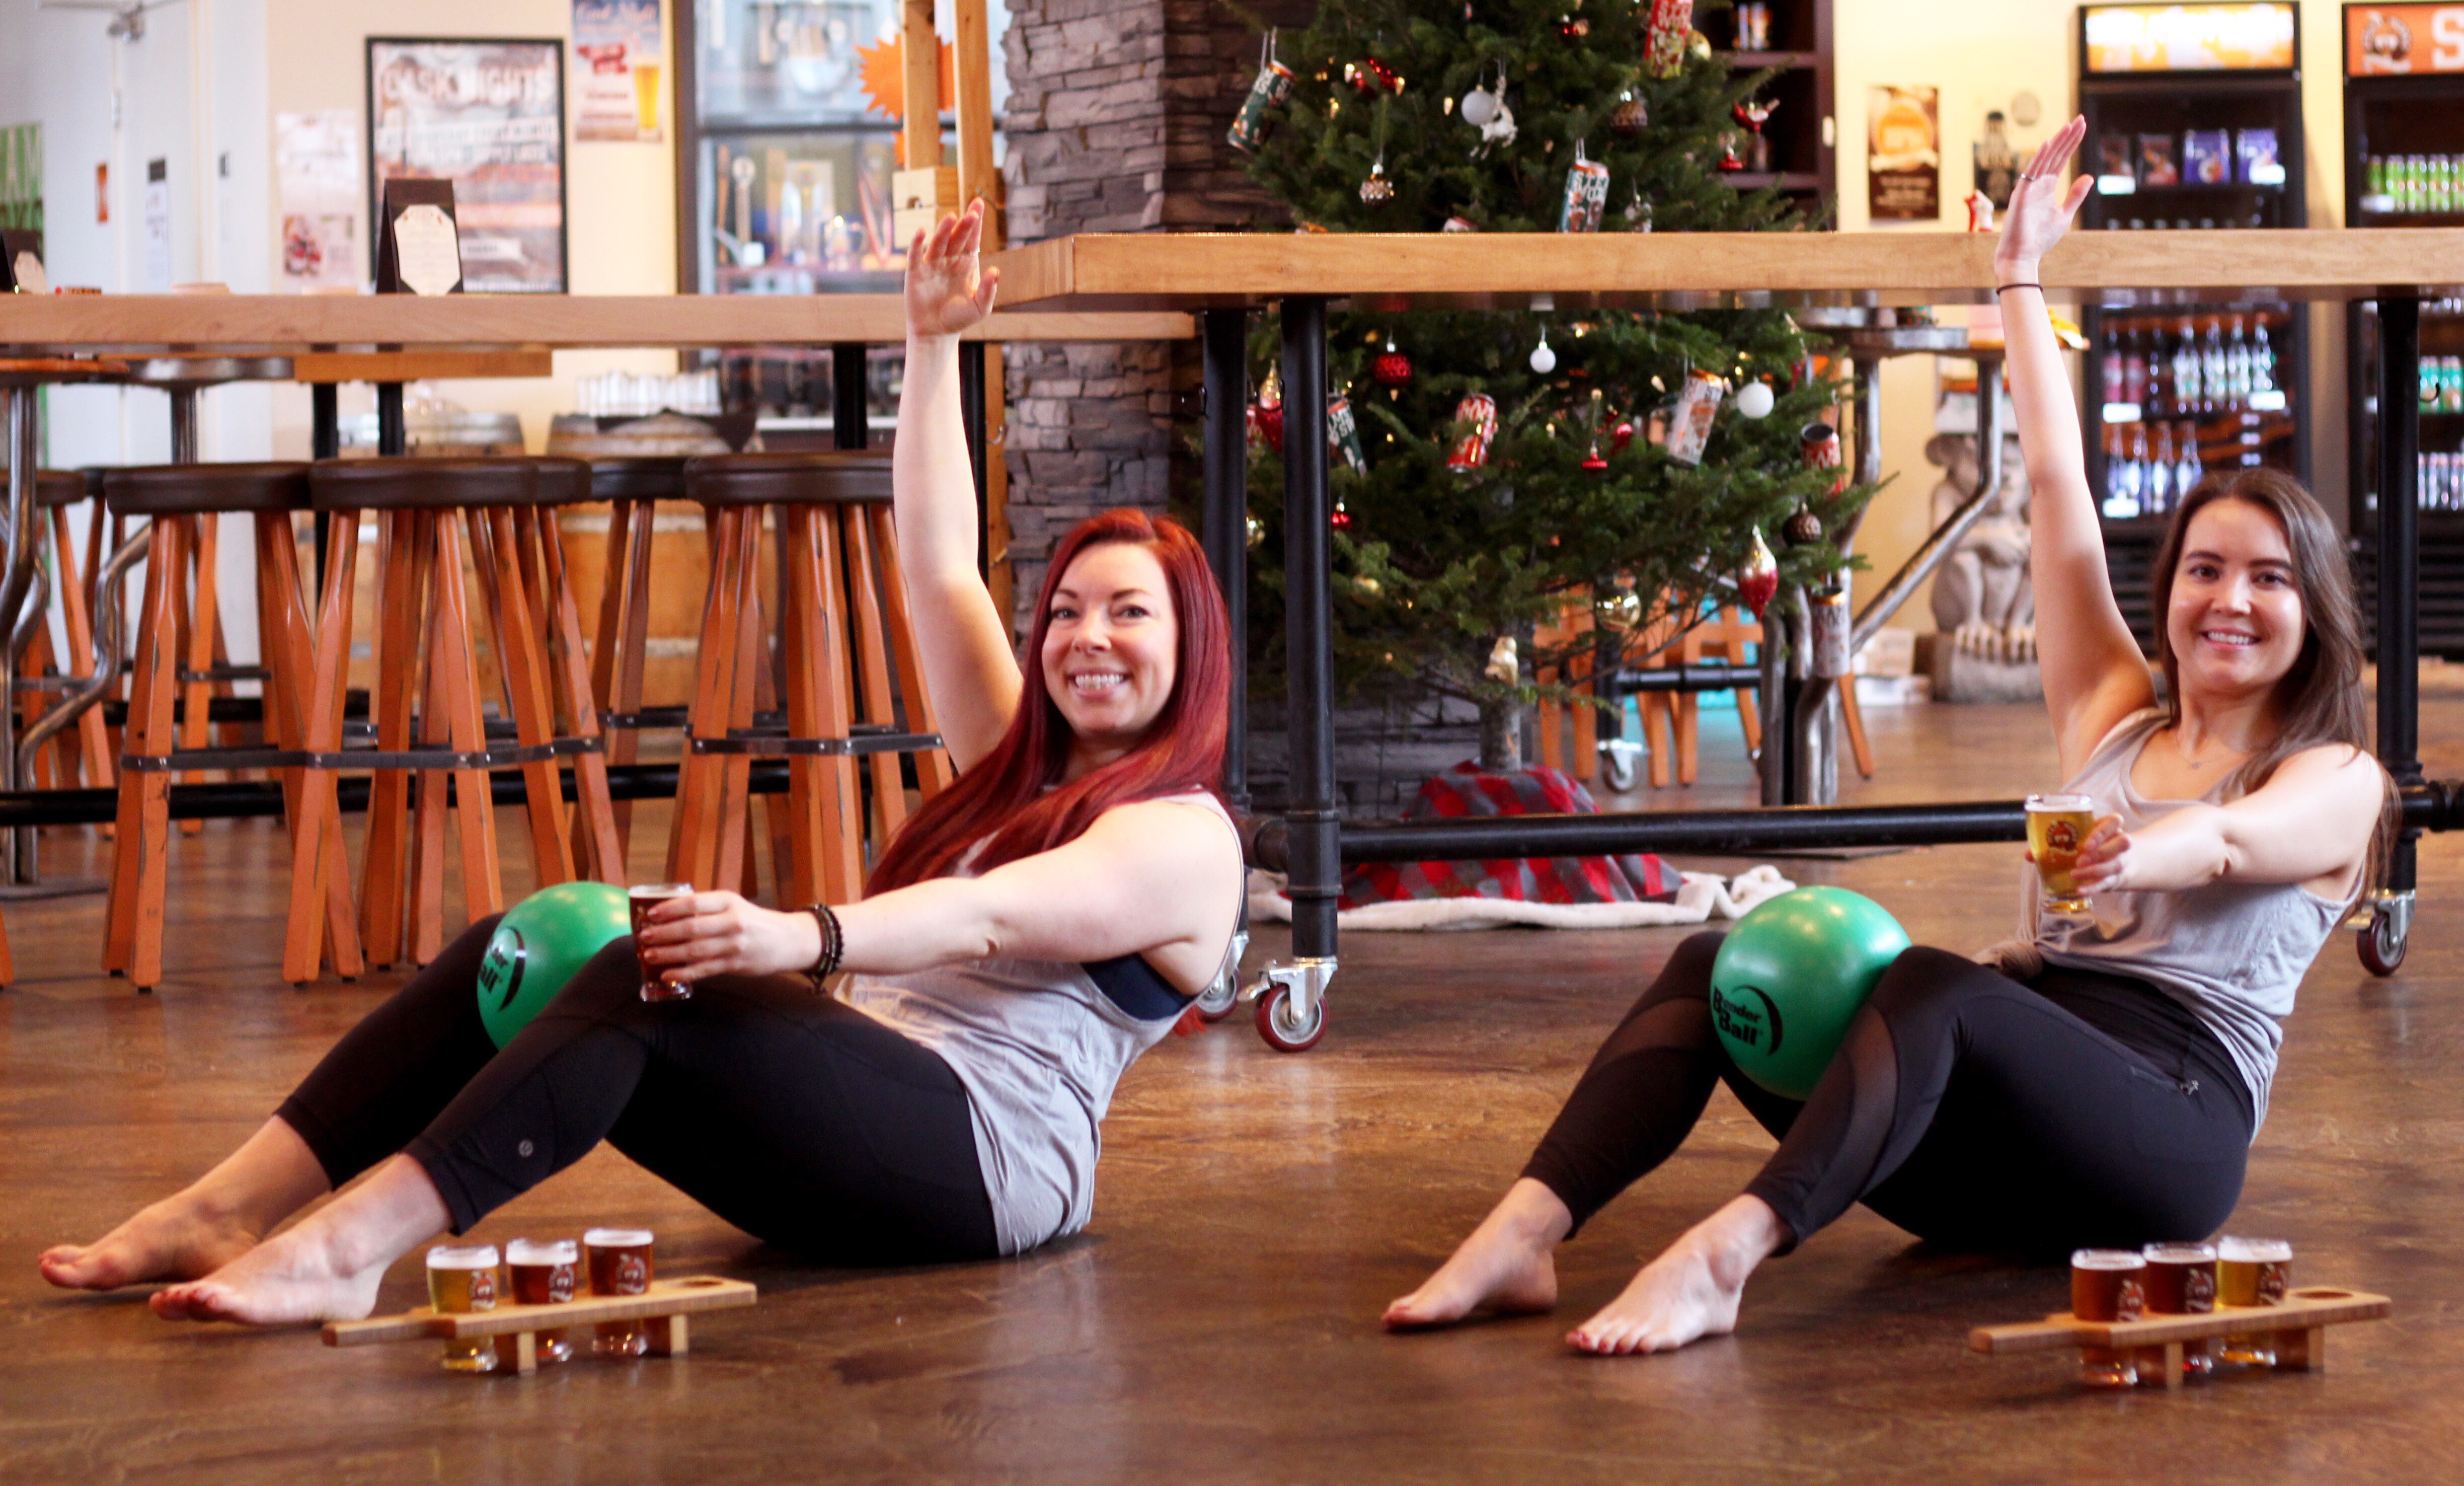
{"x":1039,"y":1049}
{"x":2232,"y":953}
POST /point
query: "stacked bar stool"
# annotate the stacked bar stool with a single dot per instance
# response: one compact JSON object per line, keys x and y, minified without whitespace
{"x":39,"y":671}
{"x":619,"y":657}
{"x":182,"y":503}
{"x":425,"y":703}
{"x":849,"y":673}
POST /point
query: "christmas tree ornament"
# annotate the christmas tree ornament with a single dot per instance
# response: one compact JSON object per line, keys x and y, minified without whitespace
{"x":1758,"y":580}
{"x":1664,"y":35}
{"x":1586,"y":192}
{"x":1752,"y":114}
{"x":1544,"y":361}
{"x":1341,"y":519}
{"x":1803,"y":529}
{"x":1343,"y":434}
{"x":1621,"y":436}
{"x":1638,"y":213}
{"x":1755,"y":400}
{"x":1629,"y":118}
{"x":1729,"y":159}
{"x":1257,"y":530}
{"x":1390,"y":367}
{"x":1481,"y":105}
{"x":1573,"y":27}
{"x":1689,"y":426}
{"x":1592,"y":459}
{"x":1460,"y":224}
{"x":1817,"y":444}
{"x":1376,"y":190}
{"x":1504,"y":667}
{"x":1697,"y":47}
{"x":1268,"y":92}
{"x":1621,"y":608}
{"x":1266,"y":414}
{"x":1478,"y":411}
{"x":1370,"y":77}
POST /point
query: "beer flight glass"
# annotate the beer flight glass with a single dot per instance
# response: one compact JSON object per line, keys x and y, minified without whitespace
{"x":2181,"y":1281}
{"x":2109,"y":1284}
{"x":620,"y":1264}
{"x":655,"y":986}
{"x":545,"y":1273}
{"x":2252,"y":1272}
{"x":462,"y":1279}
{"x":2057,"y":826}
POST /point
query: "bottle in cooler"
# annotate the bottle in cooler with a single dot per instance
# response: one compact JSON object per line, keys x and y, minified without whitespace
{"x":2188,"y":471}
{"x":2214,"y":389}
{"x":2160,"y":471}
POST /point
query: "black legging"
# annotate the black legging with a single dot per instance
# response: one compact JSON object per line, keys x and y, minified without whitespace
{"x":800,"y":1120}
{"x":1971,"y":1109}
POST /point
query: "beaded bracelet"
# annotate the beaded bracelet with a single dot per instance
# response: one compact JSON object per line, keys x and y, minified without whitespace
{"x":833,"y":943}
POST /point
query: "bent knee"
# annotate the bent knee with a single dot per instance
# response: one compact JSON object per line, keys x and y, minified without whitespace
{"x":1923,"y":976}
{"x":609,"y":981}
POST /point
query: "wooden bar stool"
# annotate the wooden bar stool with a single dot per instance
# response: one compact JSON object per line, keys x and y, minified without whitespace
{"x":424,"y":705}
{"x":181,"y":501}
{"x":849,"y":673}
{"x":620,"y":654}
{"x":40,"y":673}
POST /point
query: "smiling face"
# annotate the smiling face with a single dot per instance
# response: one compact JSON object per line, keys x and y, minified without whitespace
{"x":1111,"y":649}
{"x":2235,"y":618}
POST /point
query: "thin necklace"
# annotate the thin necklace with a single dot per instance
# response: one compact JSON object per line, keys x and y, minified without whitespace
{"x":2184,"y":754}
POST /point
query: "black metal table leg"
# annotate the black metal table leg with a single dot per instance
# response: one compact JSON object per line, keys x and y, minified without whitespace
{"x":325,"y":442}
{"x":393,"y":436}
{"x":1225,"y":519}
{"x":850,"y":426}
{"x":971,"y":412}
{"x":2399,"y":585}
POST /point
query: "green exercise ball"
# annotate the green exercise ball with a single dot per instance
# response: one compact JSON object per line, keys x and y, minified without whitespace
{"x":1790,"y":977}
{"x":537,"y":946}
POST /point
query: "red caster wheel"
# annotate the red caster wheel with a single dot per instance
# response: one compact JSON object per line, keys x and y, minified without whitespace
{"x":1218,"y":1001}
{"x":2382,"y":947}
{"x":1281,"y":1031}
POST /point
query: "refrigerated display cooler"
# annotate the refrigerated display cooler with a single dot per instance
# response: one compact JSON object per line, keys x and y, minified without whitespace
{"x":2404,"y":167}
{"x":2194,"y":122}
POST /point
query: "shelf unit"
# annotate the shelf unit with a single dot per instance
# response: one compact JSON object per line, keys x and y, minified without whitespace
{"x":1803,"y":149}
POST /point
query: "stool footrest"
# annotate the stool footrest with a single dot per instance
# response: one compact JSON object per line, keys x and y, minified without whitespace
{"x":777,"y":745}
{"x":183,"y":759}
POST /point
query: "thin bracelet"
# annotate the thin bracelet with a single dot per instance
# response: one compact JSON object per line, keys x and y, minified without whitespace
{"x":833,"y":943}
{"x":2007,"y":288}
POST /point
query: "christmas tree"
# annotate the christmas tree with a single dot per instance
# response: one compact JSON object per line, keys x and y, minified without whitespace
{"x":1637,"y":462}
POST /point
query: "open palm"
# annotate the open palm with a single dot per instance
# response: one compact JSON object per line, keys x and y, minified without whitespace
{"x":2043,"y":203}
{"x":947,"y":290}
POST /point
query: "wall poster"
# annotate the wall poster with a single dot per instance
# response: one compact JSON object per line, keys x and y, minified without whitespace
{"x":489,"y":116}
{"x":1902,"y":154}
{"x":317,"y":192}
{"x":617,"y":51}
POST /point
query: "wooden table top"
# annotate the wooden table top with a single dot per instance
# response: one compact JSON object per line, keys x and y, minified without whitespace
{"x":279,"y":323}
{"x":1708,"y":270}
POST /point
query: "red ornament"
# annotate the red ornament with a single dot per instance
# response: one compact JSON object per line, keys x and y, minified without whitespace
{"x":1592,"y":460}
{"x":1390,"y":367}
{"x":1573,"y":27}
{"x":1370,"y":77}
{"x":1621,"y":436}
{"x":1341,"y":520}
{"x":1266,"y":423}
{"x":1758,"y":580}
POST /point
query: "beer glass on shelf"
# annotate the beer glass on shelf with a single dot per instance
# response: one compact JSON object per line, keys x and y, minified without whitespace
{"x":2057,"y":826}
{"x":461,"y":1279}
{"x":2107,"y":1284}
{"x":2252,"y":1272}
{"x":2181,"y":1281}
{"x":620,"y":1264}
{"x":641,"y":899}
{"x":545,"y":1273}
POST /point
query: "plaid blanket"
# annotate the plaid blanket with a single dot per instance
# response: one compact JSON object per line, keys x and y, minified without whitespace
{"x":1466,"y":790}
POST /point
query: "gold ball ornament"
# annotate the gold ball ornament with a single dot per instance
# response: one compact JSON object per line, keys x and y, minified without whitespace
{"x":1698,"y":46}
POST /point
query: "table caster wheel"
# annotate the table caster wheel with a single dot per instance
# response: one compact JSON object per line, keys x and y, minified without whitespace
{"x":1277,"y":1026}
{"x":2381,"y":945}
{"x":1219,"y":1000}
{"x":1617,"y":769}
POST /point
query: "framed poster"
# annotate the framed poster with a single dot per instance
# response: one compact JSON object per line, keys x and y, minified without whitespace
{"x":1902,"y":154}
{"x":487,"y":115}
{"x":616,"y":47}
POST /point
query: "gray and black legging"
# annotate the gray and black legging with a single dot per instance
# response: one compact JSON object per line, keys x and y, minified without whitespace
{"x":800,"y":1120}
{"x":1974,"y":1110}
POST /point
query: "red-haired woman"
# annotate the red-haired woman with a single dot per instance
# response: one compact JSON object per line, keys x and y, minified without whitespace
{"x":1031,"y":931}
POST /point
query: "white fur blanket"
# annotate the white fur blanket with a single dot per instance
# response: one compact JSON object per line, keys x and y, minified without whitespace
{"x":1704,"y":895}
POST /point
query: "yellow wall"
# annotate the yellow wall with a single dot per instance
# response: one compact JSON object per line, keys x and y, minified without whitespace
{"x":1980,"y":56}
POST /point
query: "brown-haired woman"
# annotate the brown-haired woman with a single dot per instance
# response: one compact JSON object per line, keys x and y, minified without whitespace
{"x":2100,"y":1081}
{"x":1031,"y":931}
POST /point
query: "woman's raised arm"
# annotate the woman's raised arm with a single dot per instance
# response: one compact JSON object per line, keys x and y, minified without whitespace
{"x":970,"y":670}
{"x":2094,"y":673}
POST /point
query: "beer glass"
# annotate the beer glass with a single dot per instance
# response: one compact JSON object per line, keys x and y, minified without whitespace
{"x":546,"y":1274}
{"x":2181,"y":1281}
{"x":620,"y":1264}
{"x":2057,"y":826}
{"x":641,"y":899}
{"x":2107,"y":1284}
{"x":461,"y":1279}
{"x":2252,"y":1272}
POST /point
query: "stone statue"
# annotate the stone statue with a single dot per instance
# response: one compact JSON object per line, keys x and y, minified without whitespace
{"x":1981,"y":596}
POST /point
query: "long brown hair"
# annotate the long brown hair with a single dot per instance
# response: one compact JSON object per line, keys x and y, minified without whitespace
{"x":2319,"y":700}
{"x":1010,"y":792}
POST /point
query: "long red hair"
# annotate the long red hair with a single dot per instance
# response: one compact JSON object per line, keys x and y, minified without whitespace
{"x":1011,"y":793}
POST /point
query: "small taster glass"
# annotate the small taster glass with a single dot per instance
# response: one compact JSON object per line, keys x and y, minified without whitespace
{"x":2181,"y":1281}
{"x":2252,"y":1272}
{"x":546,"y":1273}
{"x":655,"y":986}
{"x":2107,"y":1284}
{"x":461,"y":1279}
{"x":2057,"y":826}
{"x":620,"y":1264}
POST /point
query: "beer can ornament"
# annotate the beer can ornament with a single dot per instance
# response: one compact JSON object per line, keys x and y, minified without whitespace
{"x":1663,"y":51}
{"x":1471,"y":451}
{"x":1267,"y":91}
{"x":1343,"y":433}
{"x":1818,"y":444}
{"x":1690,"y":427}
{"x":1758,"y":580}
{"x":1587,"y":194}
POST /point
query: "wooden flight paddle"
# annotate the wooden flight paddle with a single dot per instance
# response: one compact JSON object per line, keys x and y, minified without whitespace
{"x":517,"y":1327}
{"x":2300,"y":1327}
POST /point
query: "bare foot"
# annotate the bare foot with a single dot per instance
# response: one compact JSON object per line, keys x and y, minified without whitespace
{"x":1507,"y":1265}
{"x":292,"y":1280}
{"x":177,"y":1238}
{"x":1692,"y":1290}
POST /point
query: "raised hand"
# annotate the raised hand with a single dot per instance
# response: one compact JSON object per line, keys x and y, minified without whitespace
{"x":947,"y":291}
{"x":2042,"y":206}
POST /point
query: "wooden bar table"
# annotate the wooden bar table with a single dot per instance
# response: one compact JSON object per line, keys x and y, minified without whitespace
{"x":1222,"y":277}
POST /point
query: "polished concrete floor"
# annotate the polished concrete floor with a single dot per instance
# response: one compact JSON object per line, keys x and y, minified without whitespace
{"x":1218,"y":1322}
